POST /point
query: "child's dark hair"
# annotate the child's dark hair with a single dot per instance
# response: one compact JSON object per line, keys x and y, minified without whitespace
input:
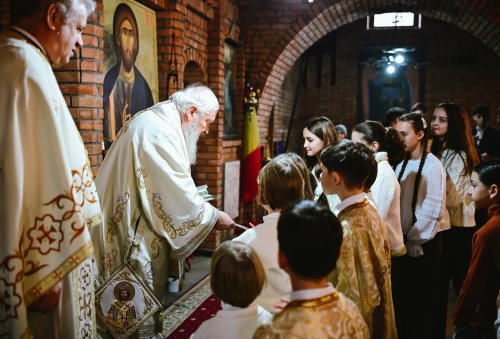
{"x":354,"y":161}
{"x":393,"y":114}
{"x":489,"y":172}
{"x":237,"y":276}
{"x":481,"y":110}
{"x":389,"y":139}
{"x":458,"y":137}
{"x":284,"y":180}
{"x":419,"y":124}
{"x":310,"y":237}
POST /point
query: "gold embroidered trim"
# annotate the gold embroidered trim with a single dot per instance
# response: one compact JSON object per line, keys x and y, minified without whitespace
{"x":58,"y":274}
{"x":155,"y":246}
{"x":140,"y":176}
{"x":313,"y":303}
{"x":399,"y":252}
{"x":117,"y":217}
{"x":353,"y":206}
{"x":167,"y":219}
{"x":94,"y":221}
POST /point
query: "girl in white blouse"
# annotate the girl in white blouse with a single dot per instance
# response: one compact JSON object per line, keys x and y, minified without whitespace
{"x":385,"y":192}
{"x":423,"y":218}
{"x":453,"y":143}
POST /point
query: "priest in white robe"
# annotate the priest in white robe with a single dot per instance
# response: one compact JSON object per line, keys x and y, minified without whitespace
{"x":153,"y":215}
{"x":47,"y":196}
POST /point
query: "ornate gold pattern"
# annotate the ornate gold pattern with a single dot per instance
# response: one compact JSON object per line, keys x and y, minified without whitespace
{"x":51,"y":279}
{"x":151,"y":304}
{"x":398,"y":253}
{"x":94,"y":221}
{"x":332,"y":316}
{"x":363,"y":273}
{"x":115,"y":219}
{"x":155,"y":246}
{"x":167,"y":219}
{"x":140,"y":175}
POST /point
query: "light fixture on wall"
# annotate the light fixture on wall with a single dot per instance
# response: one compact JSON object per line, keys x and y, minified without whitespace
{"x":391,"y":60}
{"x":172,"y":74}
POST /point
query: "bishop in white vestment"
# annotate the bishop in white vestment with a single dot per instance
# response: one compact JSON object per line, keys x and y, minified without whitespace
{"x":151,"y":207}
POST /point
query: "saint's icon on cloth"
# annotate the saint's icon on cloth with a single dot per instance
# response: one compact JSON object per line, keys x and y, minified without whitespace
{"x":122,"y":312}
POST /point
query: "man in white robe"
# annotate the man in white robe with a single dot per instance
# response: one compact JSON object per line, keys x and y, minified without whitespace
{"x":47,"y":195}
{"x":151,"y":208}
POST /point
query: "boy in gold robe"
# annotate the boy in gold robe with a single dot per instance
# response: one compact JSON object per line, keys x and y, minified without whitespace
{"x":310,"y":237}
{"x":363,"y":270}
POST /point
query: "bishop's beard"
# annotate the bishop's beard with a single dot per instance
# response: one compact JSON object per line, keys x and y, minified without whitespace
{"x":191,"y":135}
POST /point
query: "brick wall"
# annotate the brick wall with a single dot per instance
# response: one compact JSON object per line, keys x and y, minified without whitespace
{"x":282,"y":31}
{"x":459,"y":68}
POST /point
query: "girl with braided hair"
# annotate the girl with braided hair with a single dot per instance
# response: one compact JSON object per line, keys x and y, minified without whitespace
{"x":453,"y":143}
{"x":424,"y":215}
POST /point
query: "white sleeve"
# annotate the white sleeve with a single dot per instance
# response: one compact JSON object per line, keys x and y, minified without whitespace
{"x":432,"y":191}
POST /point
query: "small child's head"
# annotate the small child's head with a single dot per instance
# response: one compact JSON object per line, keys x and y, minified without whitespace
{"x":485,"y":180}
{"x":309,"y":237}
{"x":284,"y":180}
{"x":237,"y":276}
{"x":415,"y":131}
{"x":349,"y":163}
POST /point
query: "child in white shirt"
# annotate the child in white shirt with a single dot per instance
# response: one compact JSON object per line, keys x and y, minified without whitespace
{"x":237,"y":278}
{"x":282,"y":181}
{"x":423,"y":218}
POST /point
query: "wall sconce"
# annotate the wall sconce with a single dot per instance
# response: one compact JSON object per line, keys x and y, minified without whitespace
{"x":172,"y":74}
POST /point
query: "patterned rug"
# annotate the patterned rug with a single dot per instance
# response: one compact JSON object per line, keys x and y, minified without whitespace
{"x":187,"y":313}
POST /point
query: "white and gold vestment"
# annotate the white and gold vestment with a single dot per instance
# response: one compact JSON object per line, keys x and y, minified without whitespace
{"x":150,"y":203}
{"x":317,"y":315}
{"x":48,"y":200}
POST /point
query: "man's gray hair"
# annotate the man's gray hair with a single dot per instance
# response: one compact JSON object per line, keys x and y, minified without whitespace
{"x":29,"y":8}
{"x":197,"y":95}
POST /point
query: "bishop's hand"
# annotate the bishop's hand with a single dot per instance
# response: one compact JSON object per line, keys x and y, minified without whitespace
{"x":224,"y":222}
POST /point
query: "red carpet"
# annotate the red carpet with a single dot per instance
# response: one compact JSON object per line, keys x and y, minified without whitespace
{"x":205,"y":311}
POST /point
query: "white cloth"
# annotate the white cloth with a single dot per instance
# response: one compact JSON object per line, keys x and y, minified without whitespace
{"x":333,"y":199}
{"x":263,"y":238}
{"x":459,"y":201}
{"x":386,"y":196}
{"x":430,"y":210}
{"x":146,"y":176}
{"x":312,"y":293}
{"x":47,"y":195}
{"x":353,"y":199}
{"x":233,"y":323}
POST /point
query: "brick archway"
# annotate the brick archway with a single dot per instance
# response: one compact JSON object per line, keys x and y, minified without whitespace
{"x":478,"y":19}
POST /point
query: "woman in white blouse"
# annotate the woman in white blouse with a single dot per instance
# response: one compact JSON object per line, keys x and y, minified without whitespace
{"x":453,"y":144}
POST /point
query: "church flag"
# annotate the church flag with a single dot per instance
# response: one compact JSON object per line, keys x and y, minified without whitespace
{"x":251,"y":148}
